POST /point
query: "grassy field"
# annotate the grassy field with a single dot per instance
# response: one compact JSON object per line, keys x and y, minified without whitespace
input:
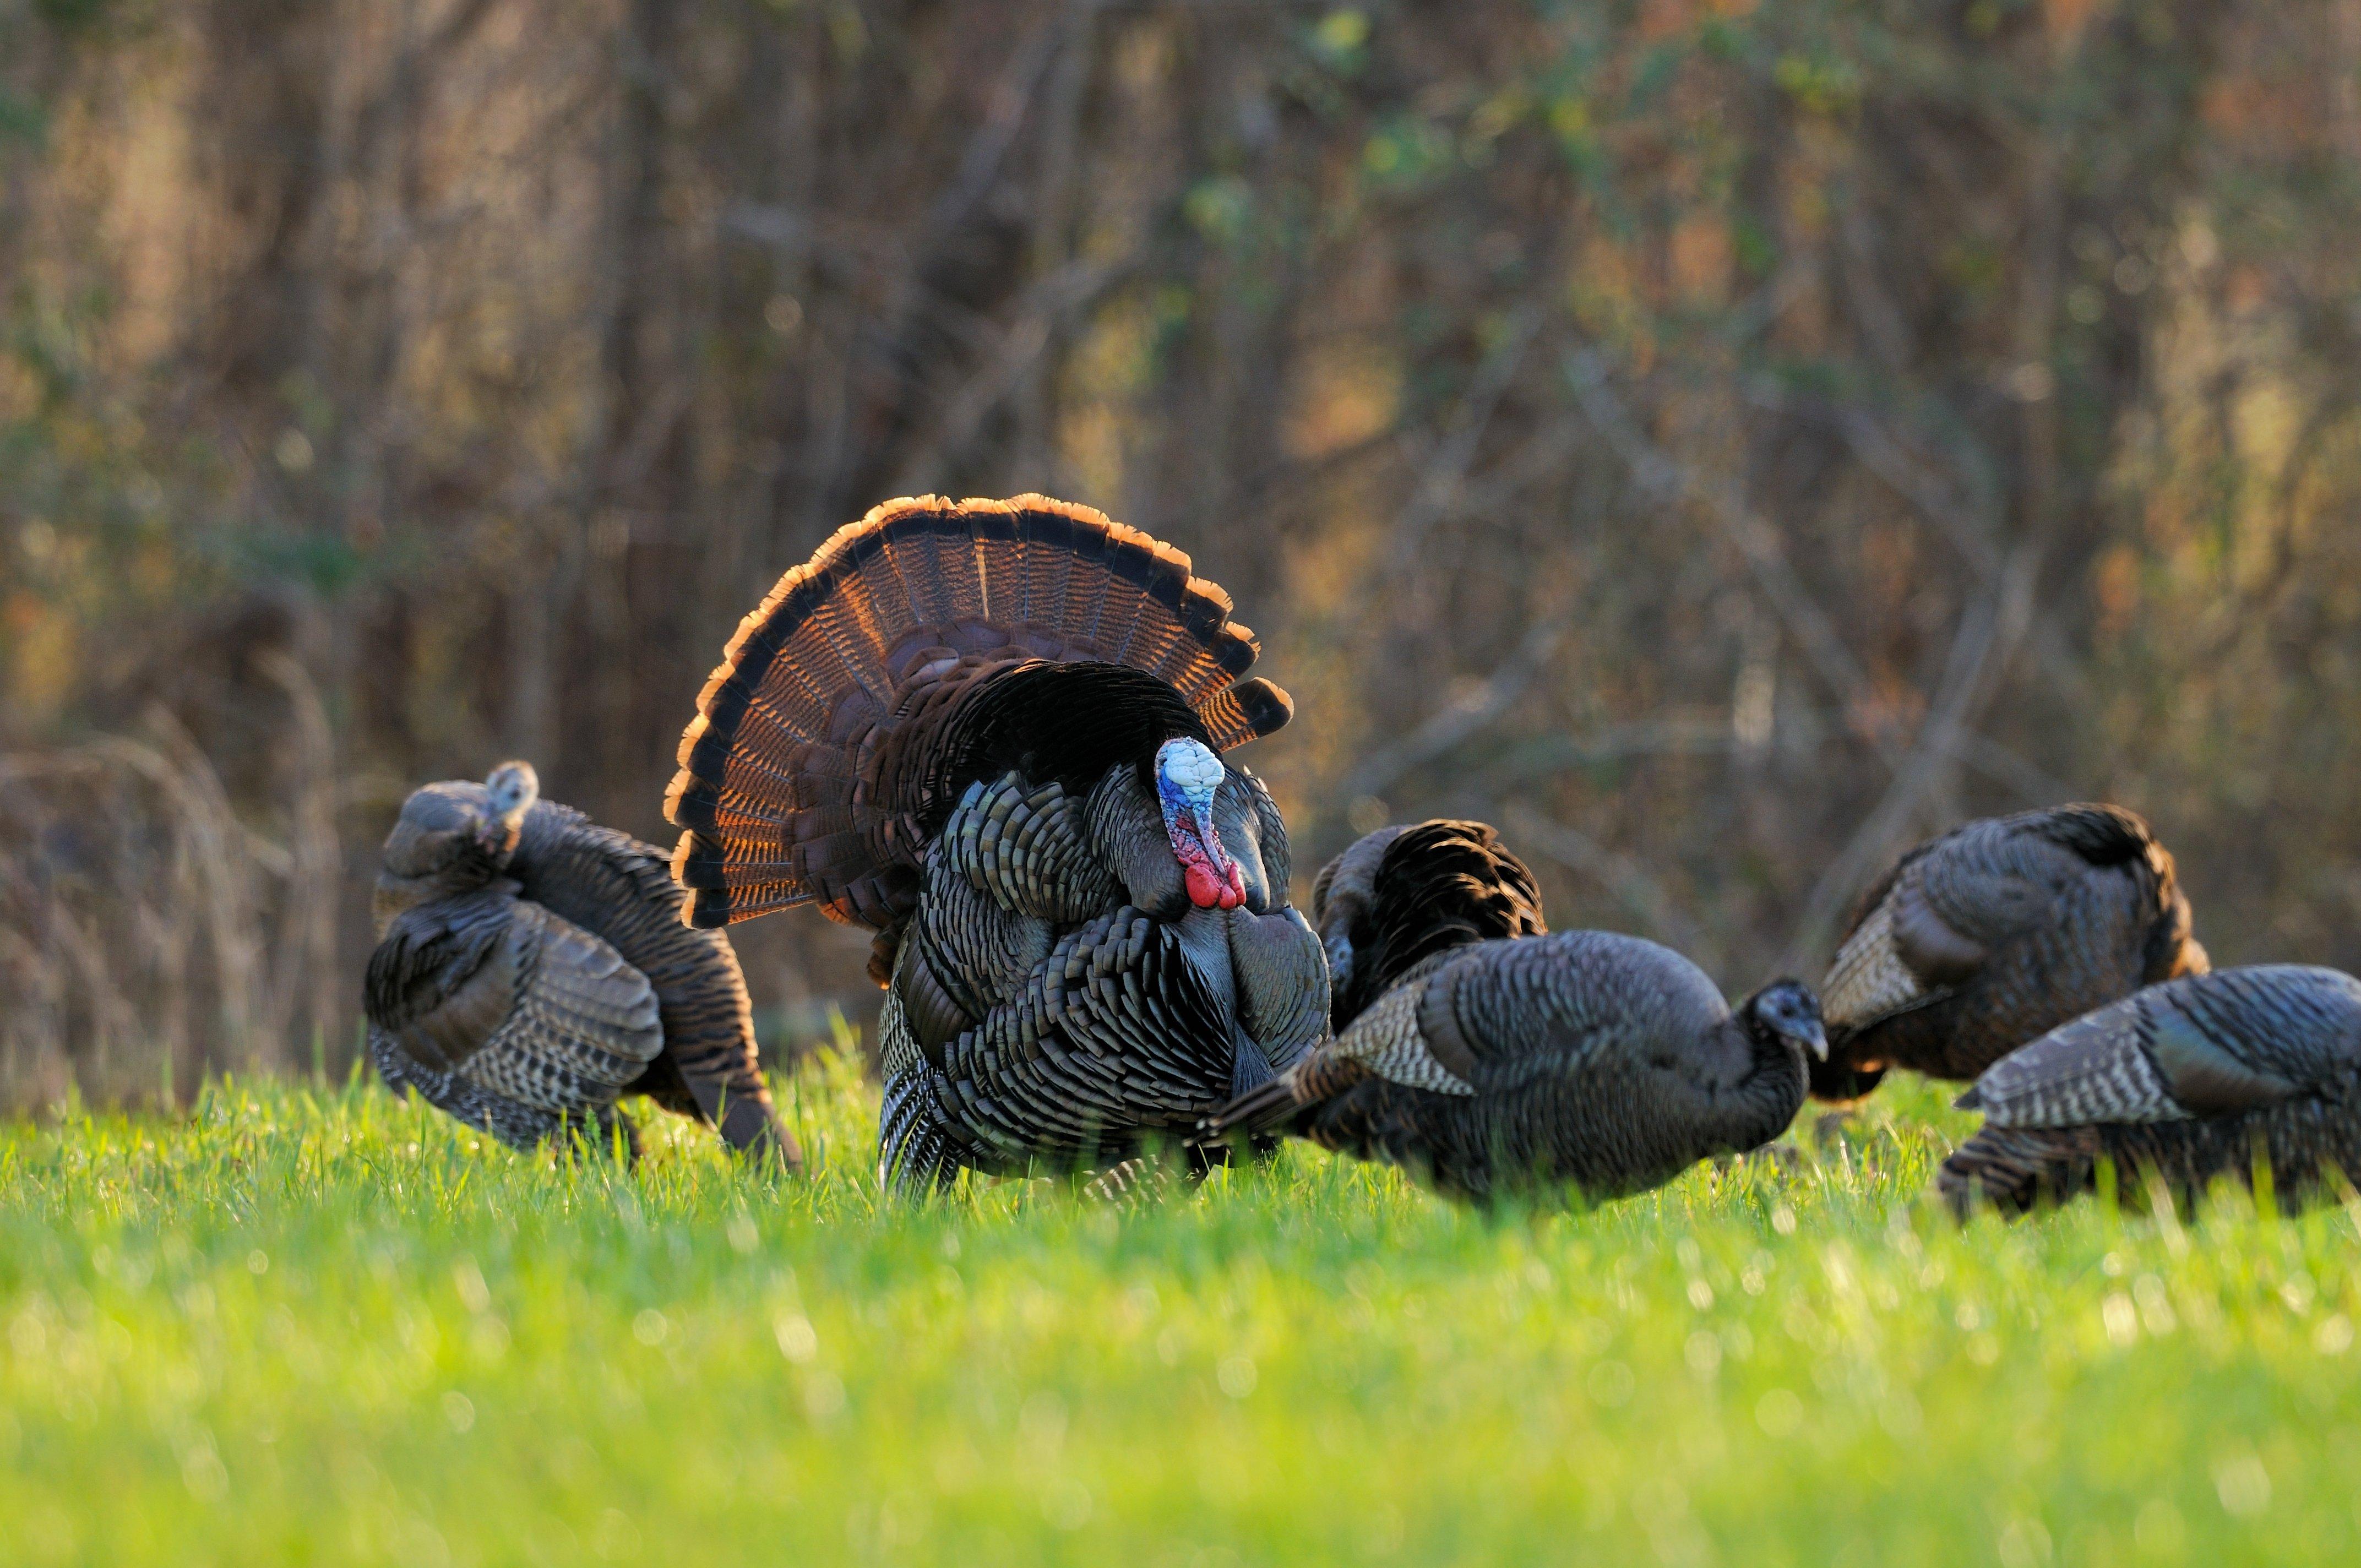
{"x":308,"y":1325}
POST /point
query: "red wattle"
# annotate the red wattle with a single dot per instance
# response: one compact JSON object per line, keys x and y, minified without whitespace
{"x":1204,"y":891}
{"x":1234,"y":892}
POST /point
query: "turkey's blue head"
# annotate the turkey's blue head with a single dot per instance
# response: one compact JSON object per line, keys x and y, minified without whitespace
{"x":1188,"y":775}
{"x":510,"y":791}
{"x":1787,"y":1010}
{"x":453,"y":838}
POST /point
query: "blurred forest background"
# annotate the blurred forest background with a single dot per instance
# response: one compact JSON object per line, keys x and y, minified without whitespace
{"x":1719,"y":440}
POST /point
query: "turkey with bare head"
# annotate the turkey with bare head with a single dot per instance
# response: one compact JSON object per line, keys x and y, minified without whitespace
{"x":1491,"y":1057}
{"x":2244,"y":1074}
{"x":1980,"y":940}
{"x":533,"y":967}
{"x":991,"y":732}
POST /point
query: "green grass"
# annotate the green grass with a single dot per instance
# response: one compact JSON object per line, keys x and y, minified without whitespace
{"x":319,"y":1326}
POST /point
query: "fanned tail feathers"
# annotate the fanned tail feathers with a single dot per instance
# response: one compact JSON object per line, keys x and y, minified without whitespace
{"x":803,"y":777}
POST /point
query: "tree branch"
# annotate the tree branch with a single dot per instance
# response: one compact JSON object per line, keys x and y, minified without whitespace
{"x":1987,"y":638}
{"x":1476,"y":709}
{"x":1673,"y":483}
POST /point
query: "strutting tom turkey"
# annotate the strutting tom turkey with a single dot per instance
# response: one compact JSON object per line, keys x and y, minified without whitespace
{"x":2212,"y":1075}
{"x":533,"y":967}
{"x":989,"y":731}
{"x":1999,"y":930}
{"x":1487,"y":1056}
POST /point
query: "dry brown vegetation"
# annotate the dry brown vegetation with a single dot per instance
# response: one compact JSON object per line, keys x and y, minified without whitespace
{"x":1718,"y":441}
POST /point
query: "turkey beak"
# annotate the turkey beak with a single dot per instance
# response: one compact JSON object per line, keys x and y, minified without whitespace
{"x":1340,"y":961}
{"x":1816,"y":1038}
{"x":497,"y":834}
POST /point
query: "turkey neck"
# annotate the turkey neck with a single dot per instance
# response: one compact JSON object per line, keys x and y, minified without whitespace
{"x":533,"y":862}
{"x":1763,"y":1098}
{"x":471,"y":871}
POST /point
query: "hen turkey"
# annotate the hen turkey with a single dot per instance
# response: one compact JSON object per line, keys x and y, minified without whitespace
{"x":533,"y":967}
{"x":1487,"y":1056}
{"x":2201,"y":1077}
{"x":1982,"y":940}
{"x":989,"y":732}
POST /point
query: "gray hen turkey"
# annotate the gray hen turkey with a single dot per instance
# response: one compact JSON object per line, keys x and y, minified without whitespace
{"x":988,"y":731}
{"x":2187,"y":1080}
{"x":1488,"y":1056}
{"x":533,"y":967}
{"x":1980,"y":940}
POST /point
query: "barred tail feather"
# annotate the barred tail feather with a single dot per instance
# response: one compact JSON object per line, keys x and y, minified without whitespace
{"x":806,"y":772}
{"x":913,"y":1157}
{"x":1269,"y":1107}
{"x":2018,"y":1168}
{"x":1047,"y":545}
{"x":1236,"y":714}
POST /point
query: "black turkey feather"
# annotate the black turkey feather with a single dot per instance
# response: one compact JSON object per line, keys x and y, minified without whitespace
{"x":1488,"y":1056}
{"x":2194,"y":1078}
{"x":989,"y":731}
{"x":532,"y":968}
{"x":1381,"y":909}
{"x":1980,"y":940}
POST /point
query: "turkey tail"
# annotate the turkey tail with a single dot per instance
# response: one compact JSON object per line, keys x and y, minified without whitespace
{"x":2016,"y":1169}
{"x":817,"y":758}
{"x":1266,"y":1108}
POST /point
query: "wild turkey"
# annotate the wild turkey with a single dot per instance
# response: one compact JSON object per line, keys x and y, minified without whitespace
{"x":1982,"y":940}
{"x":532,"y":966}
{"x":2193,"y":1079}
{"x":1450,"y":883}
{"x":1487,"y":1056}
{"x":987,"y":731}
